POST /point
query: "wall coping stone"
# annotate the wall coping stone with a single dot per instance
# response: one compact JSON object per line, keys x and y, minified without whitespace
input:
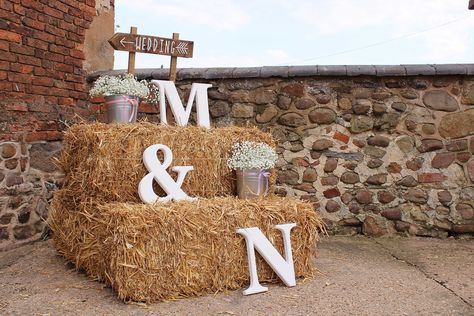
{"x":300,"y":71}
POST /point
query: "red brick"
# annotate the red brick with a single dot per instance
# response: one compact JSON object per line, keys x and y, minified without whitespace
{"x":3,"y":75}
{"x":54,"y":57}
{"x":5,"y":86}
{"x":58,"y":5}
{"x":7,"y":56}
{"x":68,"y":26}
{"x":17,"y":8}
{"x":33,"y":24}
{"x":34,"y":4}
{"x":22,"y":49}
{"x":97,"y":99}
{"x":73,"y":61}
{"x":66,"y":101}
{"x":47,"y":126}
{"x":74,"y":78}
{"x":38,"y":90}
{"x":53,"y":12}
{"x":78,"y":95}
{"x":43,"y":81}
{"x":19,"y":78}
{"x":17,"y":106}
{"x":10,"y":36}
{"x":59,"y":92}
{"x":64,"y":42}
{"x":44,"y":36}
{"x":341,"y":137}
{"x":81,"y":23}
{"x":43,"y":135}
{"x":64,"y":68}
{"x":81,"y":87}
{"x":4,"y":65}
{"x":64,"y":84}
{"x":29,"y":60}
{"x":55,"y":31}
{"x":4,"y":45}
{"x":8,"y":16}
{"x":430,"y":177}
{"x":36,"y":43}
{"x":74,"y":37}
{"x":68,"y":18}
{"x":75,"y":12}
{"x":58,"y":49}
{"x":40,"y":53}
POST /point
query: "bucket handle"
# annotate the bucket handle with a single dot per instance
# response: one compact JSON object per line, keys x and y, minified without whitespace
{"x":260,"y":174}
{"x":133,"y":102}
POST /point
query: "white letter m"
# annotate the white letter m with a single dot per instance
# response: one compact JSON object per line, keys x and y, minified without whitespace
{"x":181,"y":115}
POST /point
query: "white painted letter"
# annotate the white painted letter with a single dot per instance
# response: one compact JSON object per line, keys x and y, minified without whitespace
{"x":157,"y":171}
{"x":284,"y":268}
{"x":181,"y":115}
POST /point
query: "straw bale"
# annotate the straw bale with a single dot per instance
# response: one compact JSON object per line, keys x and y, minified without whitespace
{"x":103,"y":162}
{"x":187,"y":248}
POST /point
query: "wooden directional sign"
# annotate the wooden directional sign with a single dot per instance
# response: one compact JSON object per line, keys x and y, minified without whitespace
{"x":152,"y":45}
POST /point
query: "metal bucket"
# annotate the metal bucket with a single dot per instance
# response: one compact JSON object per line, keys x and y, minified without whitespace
{"x":252,"y":183}
{"x":121,"y":108}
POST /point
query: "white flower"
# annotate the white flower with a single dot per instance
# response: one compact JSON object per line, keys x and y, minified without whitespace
{"x":120,"y":85}
{"x":252,"y":155}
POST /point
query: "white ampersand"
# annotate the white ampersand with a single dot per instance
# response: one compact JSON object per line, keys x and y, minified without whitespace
{"x":157,"y":171}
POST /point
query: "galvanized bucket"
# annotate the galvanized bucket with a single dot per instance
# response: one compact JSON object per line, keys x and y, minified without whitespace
{"x":252,"y":183}
{"x":121,"y":108}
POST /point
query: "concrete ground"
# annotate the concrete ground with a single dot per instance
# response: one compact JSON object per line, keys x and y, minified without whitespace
{"x":359,"y":276}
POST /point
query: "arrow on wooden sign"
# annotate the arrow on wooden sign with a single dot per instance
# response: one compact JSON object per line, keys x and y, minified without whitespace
{"x":152,"y":45}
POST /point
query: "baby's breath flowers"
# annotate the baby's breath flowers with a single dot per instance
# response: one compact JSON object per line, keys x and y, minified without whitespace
{"x":120,"y":85}
{"x":252,"y":155}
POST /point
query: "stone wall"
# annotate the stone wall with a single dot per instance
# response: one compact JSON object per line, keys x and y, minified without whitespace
{"x":42,"y":88}
{"x":379,"y":150}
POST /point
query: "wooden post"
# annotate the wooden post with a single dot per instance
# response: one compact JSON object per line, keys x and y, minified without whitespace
{"x":174,"y":61}
{"x":471,"y":5}
{"x":173,"y":65}
{"x":131,"y":55}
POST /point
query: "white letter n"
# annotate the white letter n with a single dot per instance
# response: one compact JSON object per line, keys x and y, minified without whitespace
{"x":256,"y":240}
{"x":181,"y":115}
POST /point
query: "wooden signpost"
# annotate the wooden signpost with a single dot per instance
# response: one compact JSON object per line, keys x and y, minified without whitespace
{"x":137,"y":43}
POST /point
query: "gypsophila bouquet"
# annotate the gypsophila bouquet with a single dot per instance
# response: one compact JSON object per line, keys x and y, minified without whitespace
{"x":252,"y":155}
{"x":120,"y":85}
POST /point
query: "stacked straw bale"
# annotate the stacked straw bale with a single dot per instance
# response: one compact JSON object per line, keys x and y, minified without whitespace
{"x":103,"y":162}
{"x":162,"y":251}
{"x":188,"y":248}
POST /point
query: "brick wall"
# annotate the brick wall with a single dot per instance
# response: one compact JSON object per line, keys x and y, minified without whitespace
{"x":42,"y":88}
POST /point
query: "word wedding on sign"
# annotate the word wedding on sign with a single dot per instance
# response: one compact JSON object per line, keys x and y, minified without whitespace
{"x":151,"y":45}
{"x":137,"y":43}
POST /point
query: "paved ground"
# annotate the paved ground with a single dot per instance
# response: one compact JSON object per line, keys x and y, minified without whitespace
{"x":360,"y":276}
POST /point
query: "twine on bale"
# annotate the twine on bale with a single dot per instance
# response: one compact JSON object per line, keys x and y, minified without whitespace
{"x":164,"y":251}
